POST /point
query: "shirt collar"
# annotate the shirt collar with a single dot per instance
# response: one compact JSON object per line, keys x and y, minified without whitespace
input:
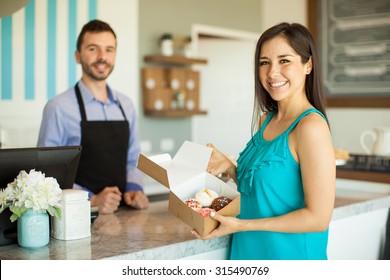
{"x":88,"y":96}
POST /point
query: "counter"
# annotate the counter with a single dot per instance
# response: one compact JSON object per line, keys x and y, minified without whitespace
{"x":156,"y":234}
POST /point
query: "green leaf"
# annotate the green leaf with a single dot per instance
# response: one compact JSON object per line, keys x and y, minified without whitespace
{"x":54,"y":211}
{"x":17,"y":211}
{"x":13,"y":218}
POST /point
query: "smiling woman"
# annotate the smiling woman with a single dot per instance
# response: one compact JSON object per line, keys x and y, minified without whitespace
{"x":285,"y":216}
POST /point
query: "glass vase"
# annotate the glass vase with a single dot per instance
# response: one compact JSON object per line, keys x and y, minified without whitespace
{"x":33,"y":229}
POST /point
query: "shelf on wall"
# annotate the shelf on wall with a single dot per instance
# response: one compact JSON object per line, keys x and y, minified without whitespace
{"x":160,"y":86}
{"x":175,"y":114}
{"x":174,"y":59}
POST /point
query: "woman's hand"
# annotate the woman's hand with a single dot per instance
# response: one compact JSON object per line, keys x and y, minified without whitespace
{"x":219,"y":163}
{"x":227,"y":225}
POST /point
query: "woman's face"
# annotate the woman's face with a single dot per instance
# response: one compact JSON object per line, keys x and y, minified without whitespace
{"x":281,"y":70}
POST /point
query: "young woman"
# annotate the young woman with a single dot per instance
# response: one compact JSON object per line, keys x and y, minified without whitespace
{"x":286,"y":173}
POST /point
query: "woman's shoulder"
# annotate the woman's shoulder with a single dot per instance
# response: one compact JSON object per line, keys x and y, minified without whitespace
{"x":312,"y":124}
{"x":263,"y":118}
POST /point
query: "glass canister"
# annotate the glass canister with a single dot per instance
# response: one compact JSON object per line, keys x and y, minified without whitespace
{"x":75,"y":222}
{"x":33,"y":229}
{"x":166,"y":43}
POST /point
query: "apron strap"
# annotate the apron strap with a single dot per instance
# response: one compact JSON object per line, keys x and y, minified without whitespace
{"x":81,"y":103}
{"x":120,"y":107}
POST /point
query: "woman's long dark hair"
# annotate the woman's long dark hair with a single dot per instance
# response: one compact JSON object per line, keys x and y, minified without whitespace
{"x":300,"y":39}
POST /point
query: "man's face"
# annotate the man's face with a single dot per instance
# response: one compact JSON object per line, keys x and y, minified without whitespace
{"x":97,"y":55}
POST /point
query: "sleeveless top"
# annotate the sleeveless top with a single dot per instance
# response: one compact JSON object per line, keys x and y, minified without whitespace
{"x":270,"y":183}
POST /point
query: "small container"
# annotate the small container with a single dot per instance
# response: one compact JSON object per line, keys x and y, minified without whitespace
{"x":188,"y":47}
{"x":166,"y":42}
{"x":180,"y":97}
{"x":75,"y":222}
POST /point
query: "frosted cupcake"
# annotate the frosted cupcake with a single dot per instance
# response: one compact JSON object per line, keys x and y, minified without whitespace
{"x":205,"y":212}
{"x":220,"y":202}
{"x":194,"y":204}
{"x":206,"y":197}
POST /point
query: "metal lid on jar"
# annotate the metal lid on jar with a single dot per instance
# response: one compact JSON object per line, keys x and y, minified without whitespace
{"x":72,"y":195}
{"x":166,"y":36}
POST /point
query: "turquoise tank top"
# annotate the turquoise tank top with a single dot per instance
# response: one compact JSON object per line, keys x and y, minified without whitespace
{"x":269,"y":181}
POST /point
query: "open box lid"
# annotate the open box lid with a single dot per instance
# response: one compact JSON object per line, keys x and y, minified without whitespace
{"x":190,"y":160}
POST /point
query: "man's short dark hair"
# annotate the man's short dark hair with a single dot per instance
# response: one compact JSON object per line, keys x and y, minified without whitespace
{"x":94,"y":26}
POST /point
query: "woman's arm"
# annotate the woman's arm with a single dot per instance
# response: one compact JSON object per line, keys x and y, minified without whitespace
{"x":311,"y":142}
{"x":219,"y":163}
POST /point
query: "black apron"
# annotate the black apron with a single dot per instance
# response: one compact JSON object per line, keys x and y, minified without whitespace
{"x":104,"y":151}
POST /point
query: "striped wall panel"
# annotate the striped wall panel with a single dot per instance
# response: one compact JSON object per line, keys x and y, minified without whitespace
{"x":37,"y":47}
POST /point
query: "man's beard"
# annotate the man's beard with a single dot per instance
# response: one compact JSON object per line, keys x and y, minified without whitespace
{"x":94,"y":74}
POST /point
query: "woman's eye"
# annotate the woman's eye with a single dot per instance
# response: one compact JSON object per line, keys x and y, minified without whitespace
{"x":261,"y":63}
{"x":283,"y":61}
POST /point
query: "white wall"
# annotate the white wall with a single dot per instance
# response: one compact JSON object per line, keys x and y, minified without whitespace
{"x":276,"y":11}
{"x":227,"y":93}
{"x":348,"y":124}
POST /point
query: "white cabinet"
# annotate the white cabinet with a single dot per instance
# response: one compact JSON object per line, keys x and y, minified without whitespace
{"x":359,"y":237}
{"x":219,"y":254}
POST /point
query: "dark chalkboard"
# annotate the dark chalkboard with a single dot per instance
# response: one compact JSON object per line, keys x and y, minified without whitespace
{"x":354,"y":38}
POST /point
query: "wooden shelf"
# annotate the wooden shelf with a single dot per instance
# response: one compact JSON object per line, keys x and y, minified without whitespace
{"x":363,"y":175}
{"x":171,"y":77}
{"x":174,"y":59}
{"x":174,"y":114}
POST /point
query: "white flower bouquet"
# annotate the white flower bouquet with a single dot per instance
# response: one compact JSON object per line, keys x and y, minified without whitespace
{"x":31,"y":191}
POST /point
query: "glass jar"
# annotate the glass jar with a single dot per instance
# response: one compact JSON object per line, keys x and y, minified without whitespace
{"x":188,"y":47}
{"x":180,"y":97}
{"x":166,"y":43}
{"x":33,"y":229}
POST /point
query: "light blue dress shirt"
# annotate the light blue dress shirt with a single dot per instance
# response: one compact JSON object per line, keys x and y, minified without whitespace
{"x":60,"y":125}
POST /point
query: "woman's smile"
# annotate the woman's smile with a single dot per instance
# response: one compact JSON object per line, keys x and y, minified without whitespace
{"x":277,"y":84}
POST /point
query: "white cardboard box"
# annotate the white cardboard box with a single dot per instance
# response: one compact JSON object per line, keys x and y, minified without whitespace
{"x":185,"y":175}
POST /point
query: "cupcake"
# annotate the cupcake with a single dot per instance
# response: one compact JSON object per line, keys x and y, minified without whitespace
{"x":194,"y":204}
{"x":206,"y":197}
{"x":220,"y":202}
{"x":205,"y":212}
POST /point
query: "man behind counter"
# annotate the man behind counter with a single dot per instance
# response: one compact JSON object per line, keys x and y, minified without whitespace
{"x":100,"y":119}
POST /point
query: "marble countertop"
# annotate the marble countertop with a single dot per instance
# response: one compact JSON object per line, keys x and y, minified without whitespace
{"x":355,"y":197}
{"x":154,"y":233}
